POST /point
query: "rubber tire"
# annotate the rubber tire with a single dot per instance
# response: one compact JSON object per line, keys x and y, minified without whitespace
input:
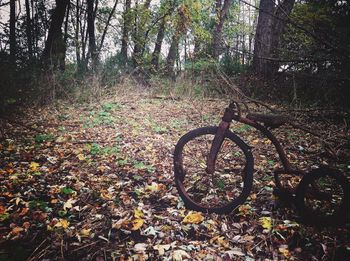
{"x":179,"y":173}
{"x":307,"y":215}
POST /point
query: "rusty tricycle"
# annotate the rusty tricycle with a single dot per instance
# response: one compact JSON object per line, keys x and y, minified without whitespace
{"x":214,"y":171}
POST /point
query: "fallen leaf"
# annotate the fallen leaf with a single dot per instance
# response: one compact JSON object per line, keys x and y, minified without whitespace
{"x":81,"y":157}
{"x":62,"y":223}
{"x":34,"y":166}
{"x":284,"y":251}
{"x":24,"y":211}
{"x":155,"y":187}
{"x":138,"y":213}
{"x":137,"y":223}
{"x":140,"y":247}
{"x":161,"y":248}
{"x":150,"y":231}
{"x":16,"y":230}
{"x":234,"y":252}
{"x":26,"y":225}
{"x":178,"y":255}
{"x":245,"y":210}
{"x":266,"y":222}
{"x":220,"y":240}
{"x":193,"y":218}
{"x":105,"y":195}
{"x":18,"y":200}
{"x":68,"y":204}
{"x":85,"y":232}
{"x":2,"y":210}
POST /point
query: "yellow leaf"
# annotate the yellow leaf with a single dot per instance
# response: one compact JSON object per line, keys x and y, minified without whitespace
{"x":153,"y":187}
{"x":266,"y":222}
{"x":137,"y":224}
{"x":49,"y":228}
{"x":256,"y":141}
{"x":221,"y":241}
{"x":65,"y":223}
{"x":81,"y":157}
{"x":34,"y":166}
{"x":85,"y":232}
{"x":193,"y":218}
{"x":105,"y":195}
{"x":138,"y":213}
{"x":62,"y":223}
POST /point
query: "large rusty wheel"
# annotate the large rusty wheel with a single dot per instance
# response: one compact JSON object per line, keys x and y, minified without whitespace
{"x":226,"y":188}
{"x":323,"y":197}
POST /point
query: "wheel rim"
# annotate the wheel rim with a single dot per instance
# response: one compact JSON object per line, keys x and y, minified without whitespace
{"x":226,"y":187}
{"x":323,"y":197}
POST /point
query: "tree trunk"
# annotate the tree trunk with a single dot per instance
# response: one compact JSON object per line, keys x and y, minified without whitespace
{"x":91,"y":32}
{"x":54,"y":45}
{"x":29,"y":30}
{"x":139,"y":34}
{"x":263,"y":39}
{"x":13,"y":47}
{"x":126,"y":29}
{"x":65,"y":38}
{"x":158,"y":46}
{"x":271,"y":24}
{"x":181,"y":27}
{"x":77,"y":29}
{"x":217,"y":34}
{"x":84,"y":37}
{"x":196,"y":48}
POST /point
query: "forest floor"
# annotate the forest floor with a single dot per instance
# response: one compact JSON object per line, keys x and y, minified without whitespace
{"x":95,"y":182}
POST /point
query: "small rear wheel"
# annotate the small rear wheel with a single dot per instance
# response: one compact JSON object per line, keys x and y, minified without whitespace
{"x":323,"y":197}
{"x":223,"y":190}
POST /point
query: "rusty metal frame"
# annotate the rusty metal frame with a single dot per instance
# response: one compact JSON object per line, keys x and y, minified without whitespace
{"x":233,"y":112}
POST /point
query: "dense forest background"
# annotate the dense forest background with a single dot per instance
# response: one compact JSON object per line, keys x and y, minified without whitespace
{"x":296,"y":51}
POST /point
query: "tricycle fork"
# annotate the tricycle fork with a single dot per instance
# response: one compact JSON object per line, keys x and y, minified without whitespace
{"x":216,"y":144}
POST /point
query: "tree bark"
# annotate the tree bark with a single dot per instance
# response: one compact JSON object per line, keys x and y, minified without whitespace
{"x":84,"y":37}
{"x":77,"y":29}
{"x":270,"y":27}
{"x":13,"y":47}
{"x":139,"y":33}
{"x":29,"y":30}
{"x":126,"y":29}
{"x":91,"y":31}
{"x":158,"y":46}
{"x":54,"y":45}
{"x":263,"y":39}
{"x":181,"y":27}
{"x":62,"y":62}
{"x":217,"y":34}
